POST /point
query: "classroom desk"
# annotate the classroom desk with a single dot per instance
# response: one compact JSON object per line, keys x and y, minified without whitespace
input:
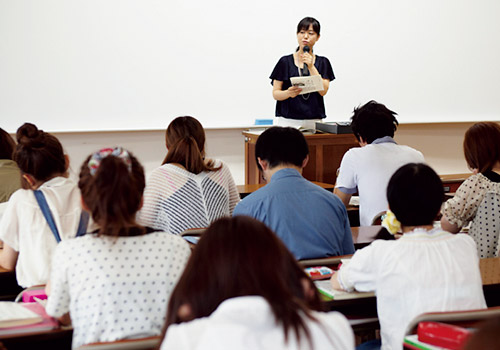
{"x":56,"y":339}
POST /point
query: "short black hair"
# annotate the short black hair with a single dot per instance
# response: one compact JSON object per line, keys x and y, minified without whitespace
{"x":306,"y":22}
{"x":279,"y":145}
{"x":372,"y":121}
{"x":415,"y":194}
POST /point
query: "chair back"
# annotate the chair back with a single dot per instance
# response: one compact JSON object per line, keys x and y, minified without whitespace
{"x":485,"y":227}
{"x":331,"y":261}
{"x":140,"y":343}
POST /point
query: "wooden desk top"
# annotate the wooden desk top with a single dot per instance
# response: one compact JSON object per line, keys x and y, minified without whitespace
{"x":245,"y":190}
{"x":449,"y":178}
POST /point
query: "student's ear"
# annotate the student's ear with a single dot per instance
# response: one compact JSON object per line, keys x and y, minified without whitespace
{"x":305,"y":161}
{"x":185,"y":313}
{"x":264,"y":164}
{"x":362,"y":142}
{"x":30,"y":180}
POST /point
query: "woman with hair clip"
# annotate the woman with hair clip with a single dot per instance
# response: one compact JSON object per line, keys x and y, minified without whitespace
{"x":482,"y":153}
{"x":115,"y":282}
{"x":242,"y":289}
{"x":44,"y":212}
{"x":187,"y":191}
{"x":10,"y":176}
{"x":426,"y":270}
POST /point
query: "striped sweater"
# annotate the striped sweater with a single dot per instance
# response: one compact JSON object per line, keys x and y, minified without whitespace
{"x":176,"y":200}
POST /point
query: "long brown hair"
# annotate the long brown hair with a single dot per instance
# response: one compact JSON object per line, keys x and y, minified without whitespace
{"x":38,"y":153}
{"x":482,"y":146}
{"x":113,"y":195}
{"x":185,"y":140}
{"x":241,"y":256}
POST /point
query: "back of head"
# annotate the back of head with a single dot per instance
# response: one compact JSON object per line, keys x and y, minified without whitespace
{"x":38,"y":153}
{"x":185,"y":140}
{"x":281,"y":146}
{"x":482,"y":146}
{"x":7,"y":145}
{"x":415,"y":194}
{"x":112,"y":183}
{"x":372,"y":121}
{"x":241,"y":256}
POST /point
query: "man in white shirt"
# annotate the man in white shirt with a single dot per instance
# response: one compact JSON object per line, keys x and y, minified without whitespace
{"x":367,"y":170}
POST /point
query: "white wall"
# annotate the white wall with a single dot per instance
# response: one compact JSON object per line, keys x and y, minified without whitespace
{"x":93,"y":65}
{"x":440,"y":143}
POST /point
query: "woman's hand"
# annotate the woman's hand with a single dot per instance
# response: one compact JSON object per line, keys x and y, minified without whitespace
{"x":308,"y":59}
{"x":281,"y":95}
{"x":294,"y":91}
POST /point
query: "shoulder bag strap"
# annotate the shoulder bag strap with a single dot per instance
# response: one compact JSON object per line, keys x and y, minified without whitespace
{"x":82,"y":225}
{"x":42,"y":203}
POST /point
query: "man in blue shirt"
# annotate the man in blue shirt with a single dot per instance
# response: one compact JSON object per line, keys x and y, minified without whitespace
{"x":311,"y":221}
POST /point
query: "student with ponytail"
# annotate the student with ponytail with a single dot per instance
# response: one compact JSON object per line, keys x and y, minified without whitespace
{"x":187,"y":191}
{"x":45,"y":211}
{"x":115,"y":282}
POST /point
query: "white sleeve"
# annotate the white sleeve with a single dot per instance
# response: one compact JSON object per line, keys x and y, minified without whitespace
{"x":58,"y":301}
{"x":361,"y":271}
{"x":174,"y":338}
{"x":234,"y":195}
{"x":9,"y":225}
{"x":347,"y":174}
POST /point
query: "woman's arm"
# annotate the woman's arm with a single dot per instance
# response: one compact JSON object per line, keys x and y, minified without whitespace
{"x":281,"y":95}
{"x":309,"y":60}
{"x":448,"y":226}
{"x":8,"y":257}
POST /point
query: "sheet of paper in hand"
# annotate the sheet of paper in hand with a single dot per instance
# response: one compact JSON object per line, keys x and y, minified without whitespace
{"x":310,"y":83}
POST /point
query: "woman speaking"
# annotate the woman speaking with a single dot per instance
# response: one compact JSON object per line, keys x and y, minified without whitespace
{"x":292,"y":108}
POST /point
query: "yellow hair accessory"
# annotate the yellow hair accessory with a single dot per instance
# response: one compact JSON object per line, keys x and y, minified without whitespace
{"x":391,"y":223}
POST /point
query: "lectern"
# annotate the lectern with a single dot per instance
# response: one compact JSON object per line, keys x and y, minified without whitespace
{"x":325,"y":153}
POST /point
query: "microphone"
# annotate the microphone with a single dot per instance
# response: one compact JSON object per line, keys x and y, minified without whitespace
{"x":305,"y":70}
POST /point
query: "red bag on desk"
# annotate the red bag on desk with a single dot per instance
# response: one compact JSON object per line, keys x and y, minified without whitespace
{"x":443,"y":335}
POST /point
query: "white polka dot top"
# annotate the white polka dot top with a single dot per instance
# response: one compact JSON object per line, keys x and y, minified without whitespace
{"x":115,"y":288}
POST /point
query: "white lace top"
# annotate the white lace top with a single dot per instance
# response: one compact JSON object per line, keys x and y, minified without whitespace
{"x":176,"y":200}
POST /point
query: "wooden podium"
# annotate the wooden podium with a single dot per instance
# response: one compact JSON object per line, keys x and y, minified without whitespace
{"x":325,"y":153}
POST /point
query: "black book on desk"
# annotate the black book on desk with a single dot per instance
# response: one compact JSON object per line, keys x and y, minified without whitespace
{"x":334,"y":127}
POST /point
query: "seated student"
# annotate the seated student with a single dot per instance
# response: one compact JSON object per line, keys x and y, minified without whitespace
{"x":311,"y":221}
{"x":10,"y":176}
{"x":187,"y":191}
{"x":425,"y":270}
{"x":115,"y":282}
{"x":242,"y":289}
{"x":482,"y":153}
{"x":367,"y":169}
{"x":28,"y":239}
